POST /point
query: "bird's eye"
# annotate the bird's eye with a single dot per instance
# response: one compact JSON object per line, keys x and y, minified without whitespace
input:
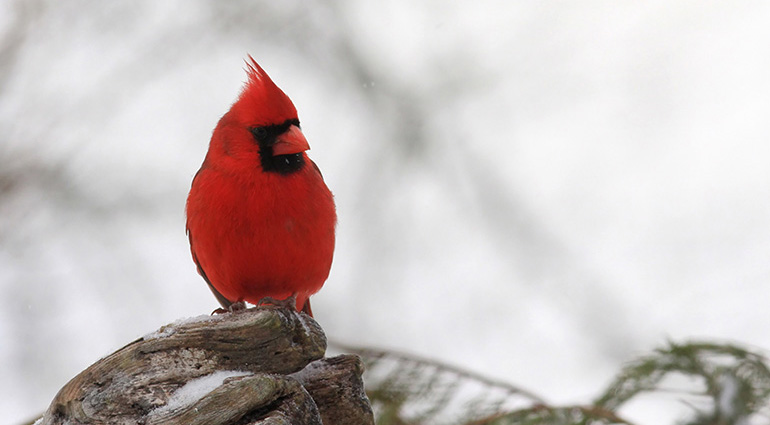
{"x":259,"y":133}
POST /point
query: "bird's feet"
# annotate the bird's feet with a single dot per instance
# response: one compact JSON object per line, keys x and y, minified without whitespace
{"x":232,"y":308}
{"x":289,"y":303}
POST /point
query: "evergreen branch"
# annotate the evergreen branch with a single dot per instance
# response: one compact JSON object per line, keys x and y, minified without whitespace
{"x":408,"y":389}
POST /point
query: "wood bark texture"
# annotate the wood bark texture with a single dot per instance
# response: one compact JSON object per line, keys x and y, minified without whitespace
{"x":258,"y":366}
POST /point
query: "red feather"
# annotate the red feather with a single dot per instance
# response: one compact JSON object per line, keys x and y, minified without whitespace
{"x":261,"y":224}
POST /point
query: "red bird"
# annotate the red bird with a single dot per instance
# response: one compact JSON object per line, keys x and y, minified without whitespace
{"x":260,"y":218}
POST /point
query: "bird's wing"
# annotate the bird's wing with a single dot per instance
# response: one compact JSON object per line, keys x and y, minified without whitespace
{"x":221,"y":298}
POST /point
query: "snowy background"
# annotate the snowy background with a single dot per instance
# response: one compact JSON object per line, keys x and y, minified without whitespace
{"x":535,"y":191}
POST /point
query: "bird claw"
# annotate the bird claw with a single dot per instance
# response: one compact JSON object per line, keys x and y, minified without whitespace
{"x":232,"y":308}
{"x":237,"y":306}
{"x":289,"y":303}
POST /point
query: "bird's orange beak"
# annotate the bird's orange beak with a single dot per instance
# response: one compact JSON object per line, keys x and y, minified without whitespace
{"x":292,"y":141}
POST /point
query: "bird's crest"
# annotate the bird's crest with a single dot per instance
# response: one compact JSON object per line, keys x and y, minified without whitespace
{"x":261,"y":102}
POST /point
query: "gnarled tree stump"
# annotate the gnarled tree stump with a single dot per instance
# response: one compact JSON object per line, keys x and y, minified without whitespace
{"x":258,"y":366}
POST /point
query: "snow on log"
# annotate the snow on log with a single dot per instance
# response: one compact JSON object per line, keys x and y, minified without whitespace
{"x":257,"y":366}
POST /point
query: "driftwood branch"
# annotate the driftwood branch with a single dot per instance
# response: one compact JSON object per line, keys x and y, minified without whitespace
{"x":258,"y":366}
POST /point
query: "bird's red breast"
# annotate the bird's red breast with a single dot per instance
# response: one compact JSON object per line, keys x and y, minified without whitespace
{"x":260,"y":218}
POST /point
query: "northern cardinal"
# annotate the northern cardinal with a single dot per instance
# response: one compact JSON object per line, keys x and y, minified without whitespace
{"x":260,"y":218}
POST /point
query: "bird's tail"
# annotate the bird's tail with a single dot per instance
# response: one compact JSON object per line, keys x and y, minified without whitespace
{"x":306,"y":308}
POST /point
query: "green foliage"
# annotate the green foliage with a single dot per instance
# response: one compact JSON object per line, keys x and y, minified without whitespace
{"x":734,"y":381}
{"x":720,"y":383}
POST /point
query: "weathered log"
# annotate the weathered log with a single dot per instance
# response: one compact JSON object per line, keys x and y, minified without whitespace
{"x":335,"y":385}
{"x":257,"y":366}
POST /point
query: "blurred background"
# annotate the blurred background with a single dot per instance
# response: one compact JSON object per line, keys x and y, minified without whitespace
{"x":535,"y":191}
